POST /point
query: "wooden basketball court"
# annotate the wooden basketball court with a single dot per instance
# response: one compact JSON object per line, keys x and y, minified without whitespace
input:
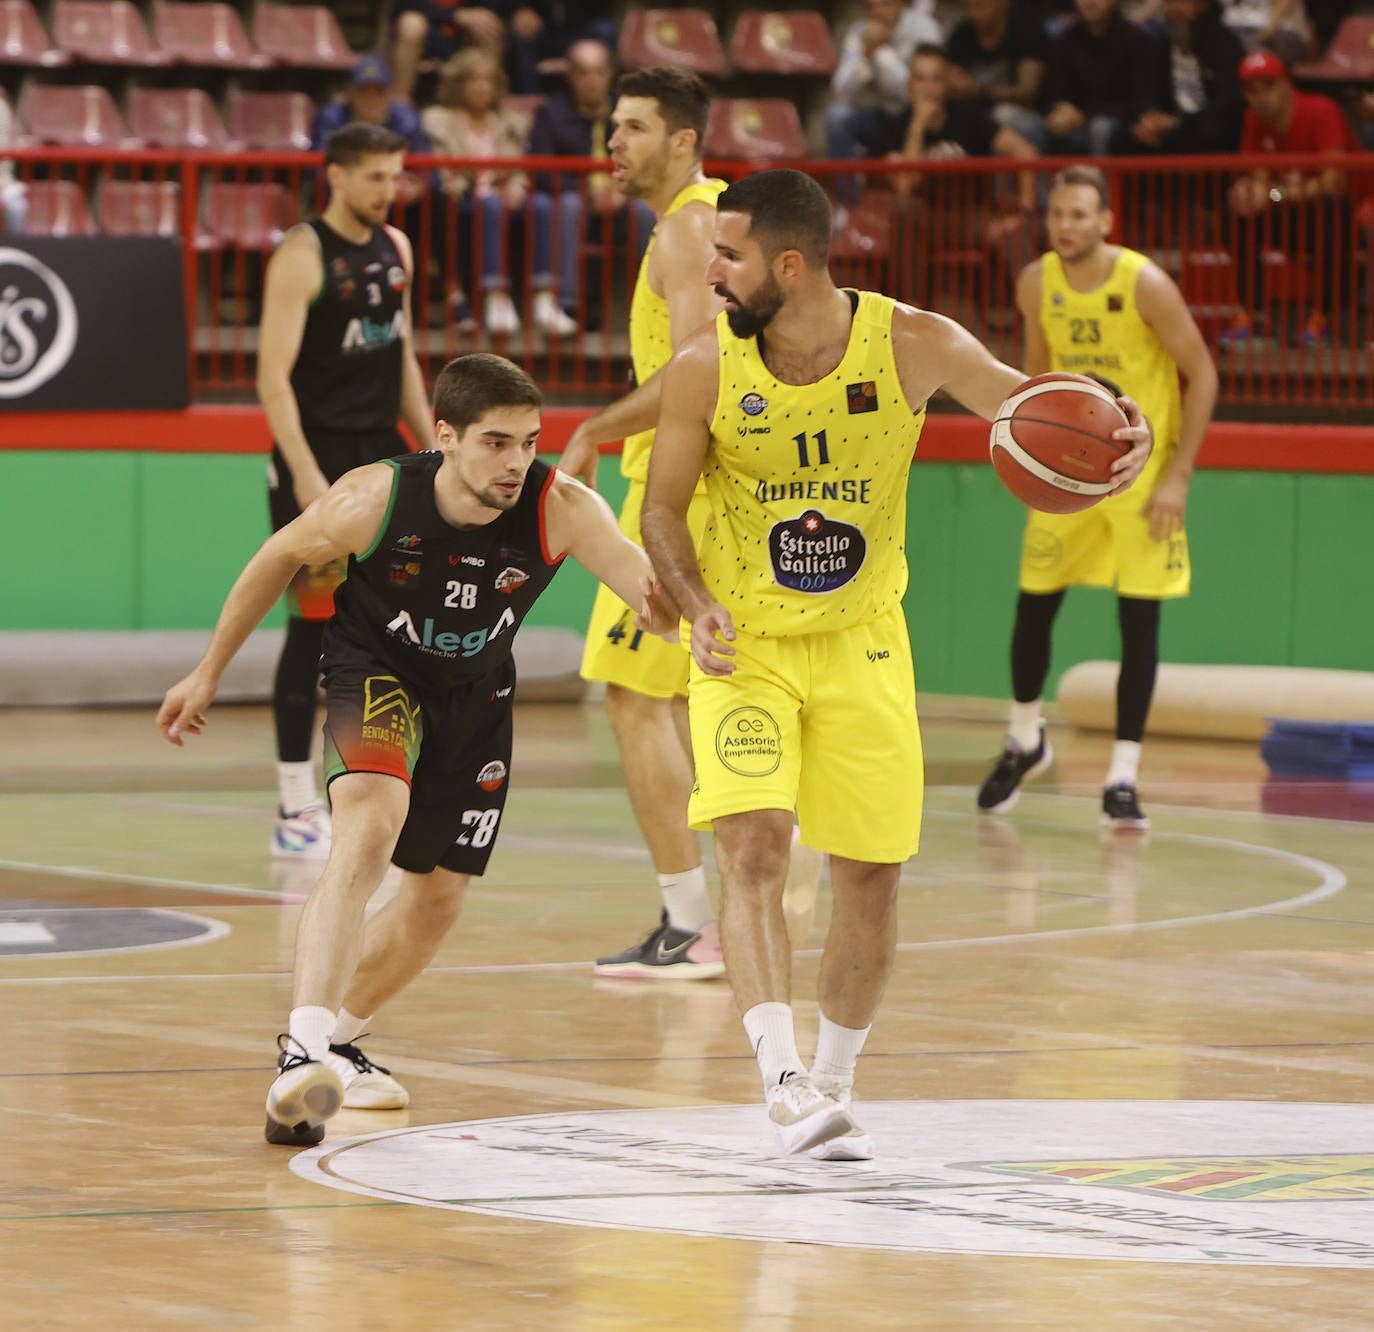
{"x":1118,"y":1082}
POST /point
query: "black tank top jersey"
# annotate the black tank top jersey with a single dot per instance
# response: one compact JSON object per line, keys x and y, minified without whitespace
{"x":347,"y":375}
{"x":438,"y":605}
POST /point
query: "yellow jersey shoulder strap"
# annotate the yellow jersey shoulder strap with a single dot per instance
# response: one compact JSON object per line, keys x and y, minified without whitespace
{"x":699,"y":191}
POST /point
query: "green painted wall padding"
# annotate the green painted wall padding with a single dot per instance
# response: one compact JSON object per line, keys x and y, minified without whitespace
{"x":1282,"y":569}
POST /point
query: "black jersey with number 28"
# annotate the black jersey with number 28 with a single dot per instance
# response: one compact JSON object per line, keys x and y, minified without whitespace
{"x":436,"y":604}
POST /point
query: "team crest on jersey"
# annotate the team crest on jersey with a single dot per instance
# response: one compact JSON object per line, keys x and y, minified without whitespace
{"x":508,"y":580}
{"x":1114,"y":303}
{"x":491,"y":776}
{"x":402,"y":571}
{"x":343,"y":279}
{"x":396,"y":277}
{"x":862,"y":397}
{"x":1057,"y":298}
{"x":408,"y":543}
{"x":753,"y":404}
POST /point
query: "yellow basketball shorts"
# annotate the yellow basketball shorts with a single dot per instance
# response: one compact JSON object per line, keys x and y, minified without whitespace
{"x":615,"y":650}
{"x":823,"y":724}
{"x":1108,"y":545}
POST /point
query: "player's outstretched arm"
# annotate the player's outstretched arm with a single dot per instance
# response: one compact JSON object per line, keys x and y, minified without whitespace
{"x":581,"y":523}
{"x":344,"y":521}
{"x":690,"y":386}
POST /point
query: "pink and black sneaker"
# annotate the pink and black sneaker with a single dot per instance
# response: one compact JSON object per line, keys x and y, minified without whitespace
{"x":666,"y":953}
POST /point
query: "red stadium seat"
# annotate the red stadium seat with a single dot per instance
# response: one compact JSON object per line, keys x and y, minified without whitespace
{"x":755,"y":128}
{"x":175,"y":118}
{"x":685,"y":37}
{"x":140,"y":208}
{"x":794,"y":41}
{"x":1349,"y":58}
{"x":104,"y":33}
{"x":210,"y":34}
{"x":302,"y":35}
{"x":867,"y":233}
{"x":271,"y":121}
{"x":22,"y":39}
{"x":58,"y":208}
{"x":77,"y":116}
{"x":250,"y":216}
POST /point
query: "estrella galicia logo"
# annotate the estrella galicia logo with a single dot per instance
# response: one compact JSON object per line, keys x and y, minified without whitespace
{"x":38,"y":323}
{"x":814,"y":553}
{"x":753,"y":404}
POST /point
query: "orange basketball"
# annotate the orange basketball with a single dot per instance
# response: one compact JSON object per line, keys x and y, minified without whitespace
{"x":1052,"y":444}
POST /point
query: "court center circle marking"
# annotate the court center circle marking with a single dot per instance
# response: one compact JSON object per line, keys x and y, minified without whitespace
{"x":1278,"y":1184}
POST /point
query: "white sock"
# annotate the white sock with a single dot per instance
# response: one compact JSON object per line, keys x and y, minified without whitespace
{"x":688,"y":903}
{"x":1024,"y":726}
{"x":774,"y":1039}
{"x":348,"y":1028}
{"x":296,"y":786}
{"x":1125,"y":765}
{"x":837,"y":1049}
{"x":312,"y":1027}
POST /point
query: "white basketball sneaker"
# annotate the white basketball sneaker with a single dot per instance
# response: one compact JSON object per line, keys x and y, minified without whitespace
{"x":304,"y":836}
{"x":802,"y":1115}
{"x":855,"y":1145}
{"x":366,"y":1086}
{"x":303,"y":1095}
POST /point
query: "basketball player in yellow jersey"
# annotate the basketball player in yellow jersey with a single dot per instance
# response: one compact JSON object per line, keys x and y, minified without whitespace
{"x":802,"y":404}
{"x":1103,"y":310}
{"x":659,"y":122}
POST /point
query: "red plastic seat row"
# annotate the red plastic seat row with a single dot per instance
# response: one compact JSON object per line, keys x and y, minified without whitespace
{"x":764,"y":41}
{"x":176,"y":118}
{"x":248,"y":216}
{"x":113,"y":32}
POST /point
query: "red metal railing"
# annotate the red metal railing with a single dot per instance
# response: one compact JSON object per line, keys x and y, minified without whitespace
{"x":950,"y":236}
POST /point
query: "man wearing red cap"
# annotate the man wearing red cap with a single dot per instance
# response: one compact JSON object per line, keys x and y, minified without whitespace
{"x":1304,"y":214}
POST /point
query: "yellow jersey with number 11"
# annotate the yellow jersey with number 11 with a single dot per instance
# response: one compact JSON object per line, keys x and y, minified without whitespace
{"x":807,"y":485}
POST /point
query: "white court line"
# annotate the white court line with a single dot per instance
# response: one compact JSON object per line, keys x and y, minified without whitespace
{"x":142,"y":880}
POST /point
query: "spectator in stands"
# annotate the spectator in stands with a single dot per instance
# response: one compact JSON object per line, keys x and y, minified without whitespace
{"x":547,"y":30}
{"x":1367,"y":120}
{"x":997,"y":56}
{"x":1098,"y":80}
{"x":934,"y":128}
{"x":367,"y":100}
{"x":434,"y":30}
{"x":1304,"y":214}
{"x":13,"y":198}
{"x":1270,"y":25}
{"x":870,"y":80}
{"x":1195,"y":100}
{"x":469,"y":120}
{"x":577,"y":123}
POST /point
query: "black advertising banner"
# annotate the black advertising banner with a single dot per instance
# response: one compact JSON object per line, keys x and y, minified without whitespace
{"x":92,"y":323}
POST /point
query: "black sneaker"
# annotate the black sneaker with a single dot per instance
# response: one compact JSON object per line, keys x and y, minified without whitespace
{"x":1003,"y":788}
{"x":304,"y":1094}
{"x":666,"y":953}
{"x":1121,"y":808}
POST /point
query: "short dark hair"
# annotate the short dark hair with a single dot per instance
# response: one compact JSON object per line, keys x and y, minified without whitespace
{"x":469,"y":387}
{"x":683,"y":99}
{"x":349,"y":144}
{"x":928,"y":49}
{"x":1081,"y":173}
{"x":787,"y":211}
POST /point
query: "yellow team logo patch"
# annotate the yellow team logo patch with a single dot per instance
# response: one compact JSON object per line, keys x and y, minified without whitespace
{"x":384,"y":694}
{"x":1251,"y":1178}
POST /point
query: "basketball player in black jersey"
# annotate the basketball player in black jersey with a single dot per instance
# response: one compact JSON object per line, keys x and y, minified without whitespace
{"x":446,"y":552}
{"x":336,"y":369}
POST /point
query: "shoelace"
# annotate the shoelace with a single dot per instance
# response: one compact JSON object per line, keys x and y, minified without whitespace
{"x":289,"y":1058}
{"x":358,"y":1059}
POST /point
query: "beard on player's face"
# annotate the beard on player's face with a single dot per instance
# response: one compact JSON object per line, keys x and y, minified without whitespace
{"x":753,"y":314}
